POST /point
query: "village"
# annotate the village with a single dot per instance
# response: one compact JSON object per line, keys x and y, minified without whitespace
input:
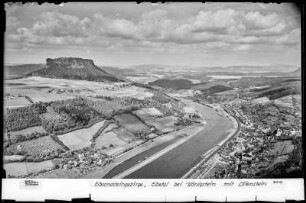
{"x":265,"y":145}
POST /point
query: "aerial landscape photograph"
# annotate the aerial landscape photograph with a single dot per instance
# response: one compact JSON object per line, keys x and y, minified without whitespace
{"x":152,"y":91}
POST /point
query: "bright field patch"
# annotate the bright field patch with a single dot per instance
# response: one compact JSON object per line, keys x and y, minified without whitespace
{"x":125,"y":135}
{"x":131,"y":123}
{"x":80,"y":139}
{"x":165,"y":124}
{"x":37,"y":146}
{"x":261,"y":100}
{"x":24,"y":168}
{"x":16,"y":102}
{"x":51,"y":115}
{"x":107,"y":139}
{"x":152,"y":111}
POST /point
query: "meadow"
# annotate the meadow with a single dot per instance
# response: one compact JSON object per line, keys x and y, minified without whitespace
{"x":163,"y":124}
{"x":37,"y":146}
{"x":124,"y":135}
{"x":25,"y":168}
{"x":26,"y":132}
{"x":80,"y":139}
{"x":16,"y":102}
{"x":109,"y":139}
{"x":132,"y":123}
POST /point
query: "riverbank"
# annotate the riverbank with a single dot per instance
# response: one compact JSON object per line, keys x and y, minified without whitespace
{"x":178,"y":161}
{"x":210,"y":153}
{"x":175,"y":160}
{"x":150,"y":145}
{"x":159,"y":154}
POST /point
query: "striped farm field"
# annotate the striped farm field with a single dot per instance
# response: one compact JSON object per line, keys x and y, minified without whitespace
{"x":107,"y":139}
{"x":80,"y":139}
{"x":131,"y":123}
{"x":24,"y":168}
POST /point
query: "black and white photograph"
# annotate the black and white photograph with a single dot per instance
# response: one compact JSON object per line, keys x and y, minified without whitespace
{"x":178,"y":90}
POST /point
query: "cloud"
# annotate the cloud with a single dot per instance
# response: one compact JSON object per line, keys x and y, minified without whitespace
{"x":217,"y":22}
{"x":222,"y":28}
{"x":110,"y":27}
{"x":242,"y":47}
{"x":291,"y":39}
{"x":256,"y":20}
{"x":53,"y":28}
{"x":11,"y":24}
{"x":58,"y":25}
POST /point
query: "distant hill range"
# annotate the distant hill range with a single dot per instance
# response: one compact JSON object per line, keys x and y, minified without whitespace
{"x":17,"y":71}
{"x":241,"y":69}
{"x":252,"y":69}
{"x":74,"y":68}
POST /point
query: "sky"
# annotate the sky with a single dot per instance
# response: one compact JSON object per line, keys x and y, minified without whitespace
{"x":184,"y":34}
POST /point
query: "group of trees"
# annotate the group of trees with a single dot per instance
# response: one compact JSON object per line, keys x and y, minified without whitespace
{"x":108,"y":107}
{"x":183,"y":122}
{"x":24,"y":117}
{"x":20,"y":138}
{"x":160,"y":97}
{"x":98,"y":133}
{"x":43,"y":156}
{"x":75,"y":112}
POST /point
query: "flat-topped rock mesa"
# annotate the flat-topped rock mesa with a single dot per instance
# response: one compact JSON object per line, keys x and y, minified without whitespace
{"x":74,"y":68}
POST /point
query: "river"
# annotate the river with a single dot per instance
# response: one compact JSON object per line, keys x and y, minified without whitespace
{"x":178,"y":161}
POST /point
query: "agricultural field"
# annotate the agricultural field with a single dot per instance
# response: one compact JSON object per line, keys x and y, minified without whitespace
{"x":108,"y":139}
{"x":110,"y":127}
{"x":152,"y":111}
{"x":25,"y":132}
{"x":114,"y":151}
{"x":147,"y":113}
{"x":16,"y":102}
{"x":37,"y":146}
{"x":127,"y":91}
{"x":124,"y":135}
{"x":261,"y":100}
{"x":132,"y":123}
{"x":165,"y":124}
{"x":232,"y":92}
{"x":44,"y":89}
{"x":287,"y":101}
{"x":189,"y":109}
{"x":80,"y":139}
{"x":24,"y":168}
{"x":282,"y":148}
{"x":35,"y":88}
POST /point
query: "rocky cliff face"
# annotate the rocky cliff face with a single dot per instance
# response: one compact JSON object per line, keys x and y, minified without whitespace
{"x":74,"y":68}
{"x":69,"y":62}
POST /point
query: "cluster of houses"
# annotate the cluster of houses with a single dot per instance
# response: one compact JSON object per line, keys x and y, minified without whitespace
{"x":258,"y":146}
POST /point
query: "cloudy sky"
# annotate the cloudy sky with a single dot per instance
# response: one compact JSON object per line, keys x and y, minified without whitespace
{"x":191,"y":34}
